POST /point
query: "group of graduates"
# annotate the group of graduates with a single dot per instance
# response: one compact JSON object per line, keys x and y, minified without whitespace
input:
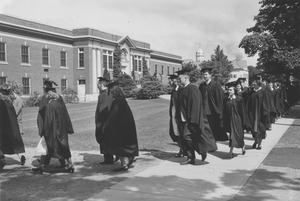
{"x":115,"y":127}
{"x":201,"y":116}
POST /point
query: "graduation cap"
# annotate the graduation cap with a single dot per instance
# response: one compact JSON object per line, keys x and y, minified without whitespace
{"x":231,"y":84}
{"x":257,"y":77}
{"x":102,"y":79}
{"x":184,"y":71}
{"x":172,"y":76}
{"x":241,"y":79}
{"x":48,"y":84}
{"x":204,"y":70}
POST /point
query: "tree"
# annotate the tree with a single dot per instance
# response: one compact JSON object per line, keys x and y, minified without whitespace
{"x":106,"y":74}
{"x":117,"y":62}
{"x":221,"y":66}
{"x":275,"y":37}
{"x":145,"y":67}
{"x":195,"y":73}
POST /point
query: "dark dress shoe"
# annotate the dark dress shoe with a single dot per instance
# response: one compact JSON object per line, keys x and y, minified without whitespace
{"x":187,"y":162}
{"x":106,"y":162}
{"x":254,"y":145}
{"x":23,"y":159}
{"x":178,"y":155}
{"x":122,"y":168}
{"x":131,"y":160}
{"x":38,"y":170}
{"x":204,"y":155}
{"x":258,"y":148}
{"x":243,"y":152}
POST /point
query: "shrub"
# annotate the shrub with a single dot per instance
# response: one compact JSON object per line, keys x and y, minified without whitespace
{"x":126,"y":83}
{"x":167,"y":89}
{"x":149,"y":90}
{"x":70,"y":96}
{"x":32,"y":101}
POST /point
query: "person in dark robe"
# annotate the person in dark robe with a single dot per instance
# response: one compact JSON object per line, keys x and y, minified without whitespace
{"x":173,"y":109}
{"x":194,"y":129}
{"x":244,"y":88}
{"x":101,"y":115}
{"x":278,"y":100}
{"x":235,"y":119}
{"x":257,"y":112}
{"x":270,"y":97}
{"x":119,"y":132}
{"x":213,"y":97}
{"x":293,"y":92}
{"x":273,"y":114}
{"x":56,"y":128}
{"x":43,"y":100}
{"x":10,"y":138}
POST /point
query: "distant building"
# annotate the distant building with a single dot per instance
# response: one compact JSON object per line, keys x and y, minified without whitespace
{"x":31,"y":52}
{"x":240,"y":69}
{"x":198,"y":60}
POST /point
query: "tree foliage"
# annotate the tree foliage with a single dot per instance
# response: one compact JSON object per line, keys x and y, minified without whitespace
{"x":117,"y":68}
{"x":145,"y":67}
{"x":275,"y":37}
{"x":126,"y":83}
{"x":221,"y":66}
{"x":195,"y":72}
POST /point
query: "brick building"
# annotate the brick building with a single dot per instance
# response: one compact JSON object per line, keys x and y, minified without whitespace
{"x":31,"y":52}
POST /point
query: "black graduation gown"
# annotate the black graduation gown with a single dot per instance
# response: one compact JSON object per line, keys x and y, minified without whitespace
{"x":43,"y":101}
{"x":57,"y":126}
{"x":191,"y":109}
{"x":10,"y":138}
{"x":101,"y":115}
{"x":292,"y":94}
{"x":258,"y":112}
{"x":119,"y":136}
{"x":235,"y":120}
{"x":213,"y":97}
{"x":278,"y":101}
{"x":172,"y":114}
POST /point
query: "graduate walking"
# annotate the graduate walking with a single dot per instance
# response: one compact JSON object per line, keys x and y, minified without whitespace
{"x":213,"y":97}
{"x":10,"y":138}
{"x":235,"y":119}
{"x":194,"y":129}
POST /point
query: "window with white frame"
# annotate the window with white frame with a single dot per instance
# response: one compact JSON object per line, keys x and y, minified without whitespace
{"x":63,"y":84}
{"x":45,"y":57}
{"x":155,"y":71}
{"x":107,"y":59}
{"x":137,"y":63}
{"x":25,"y":54}
{"x":63,"y":58}
{"x":162,"y":69}
{"x":26,"y":85}
{"x":173,"y":70}
{"x":168,"y":70}
{"x":2,"y":80}
{"x":81,"y":57}
{"x":2,"y":52}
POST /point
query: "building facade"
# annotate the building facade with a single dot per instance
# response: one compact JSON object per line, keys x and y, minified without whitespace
{"x":31,"y":52}
{"x":240,"y":70}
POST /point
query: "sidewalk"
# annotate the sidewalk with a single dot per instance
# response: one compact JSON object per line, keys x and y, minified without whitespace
{"x":248,"y":177}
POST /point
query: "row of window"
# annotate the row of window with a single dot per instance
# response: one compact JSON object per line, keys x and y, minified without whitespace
{"x":27,"y":86}
{"x":25,"y":55}
{"x":173,"y":69}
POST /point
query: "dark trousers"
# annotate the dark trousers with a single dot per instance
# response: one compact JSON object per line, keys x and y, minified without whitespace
{"x":186,"y":141}
{"x":108,"y":158}
{"x":45,"y":160}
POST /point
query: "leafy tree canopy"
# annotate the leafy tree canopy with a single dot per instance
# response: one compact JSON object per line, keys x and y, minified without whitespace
{"x":275,"y":37}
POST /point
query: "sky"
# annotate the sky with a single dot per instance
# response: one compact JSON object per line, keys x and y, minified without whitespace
{"x":178,"y":27}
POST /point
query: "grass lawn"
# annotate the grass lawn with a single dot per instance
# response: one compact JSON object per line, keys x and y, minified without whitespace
{"x":151,"y":117}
